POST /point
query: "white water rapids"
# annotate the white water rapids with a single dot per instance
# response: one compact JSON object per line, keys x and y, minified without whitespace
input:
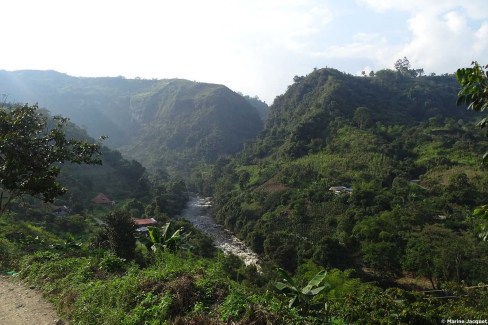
{"x":197,"y":211}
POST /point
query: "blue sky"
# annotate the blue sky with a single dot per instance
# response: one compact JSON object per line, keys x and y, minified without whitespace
{"x":252,"y":46}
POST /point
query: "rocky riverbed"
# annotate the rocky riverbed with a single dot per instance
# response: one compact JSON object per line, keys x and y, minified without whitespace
{"x":198,"y":212}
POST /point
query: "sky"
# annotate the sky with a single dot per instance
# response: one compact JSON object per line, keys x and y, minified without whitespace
{"x":255,"y":47}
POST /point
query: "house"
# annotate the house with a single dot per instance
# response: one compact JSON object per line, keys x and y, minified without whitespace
{"x":145,"y":222}
{"x":61,"y":211}
{"x":440,"y":217}
{"x":340,"y":189}
{"x":142,"y":224}
{"x":102,"y":199}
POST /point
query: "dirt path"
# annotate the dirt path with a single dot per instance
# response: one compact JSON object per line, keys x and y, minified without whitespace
{"x":23,"y":305}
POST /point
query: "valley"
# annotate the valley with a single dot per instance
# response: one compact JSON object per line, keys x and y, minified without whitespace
{"x":256,"y":214}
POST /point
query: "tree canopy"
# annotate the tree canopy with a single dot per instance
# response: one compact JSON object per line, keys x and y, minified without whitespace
{"x":474,"y":91}
{"x":474,"y":88}
{"x":32,"y":149}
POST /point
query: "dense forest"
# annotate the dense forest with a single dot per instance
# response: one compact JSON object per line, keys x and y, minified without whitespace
{"x":363,"y":197}
{"x":409,"y":159}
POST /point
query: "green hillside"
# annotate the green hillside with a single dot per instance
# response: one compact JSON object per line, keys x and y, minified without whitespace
{"x":187,"y":123}
{"x":161,"y":123}
{"x":409,"y":158}
{"x":308,"y":113}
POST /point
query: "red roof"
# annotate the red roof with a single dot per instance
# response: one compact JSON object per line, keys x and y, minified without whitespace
{"x":102,"y":199}
{"x":145,"y":222}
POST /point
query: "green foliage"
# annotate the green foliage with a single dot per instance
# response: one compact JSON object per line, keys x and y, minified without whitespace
{"x":192,"y":124}
{"x":474,"y":87}
{"x":362,"y":116}
{"x":403,"y":66}
{"x":260,"y":105}
{"x":120,"y":231}
{"x":167,"y":239}
{"x":170,"y":196}
{"x":440,"y":255}
{"x":117,"y":177}
{"x":409,"y":158}
{"x":31,"y":149}
{"x":301,"y":298}
{"x":382,"y":256}
{"x":474,"y":90}
{"x":401,"y":145}
{"x":234,"y":306}
{"x":175,"y":123}
{"x":480,"y":220}
{"x":371,"y":305}
{"x":9,"y":253}
{"x":106,"y":290}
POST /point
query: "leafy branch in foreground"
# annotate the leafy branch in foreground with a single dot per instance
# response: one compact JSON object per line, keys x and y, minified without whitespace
{"x":474,"y":91}
{"x":480,"y":219}
{"x":32,"y":149}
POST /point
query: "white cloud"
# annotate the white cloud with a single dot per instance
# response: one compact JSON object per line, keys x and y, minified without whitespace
{"x":371,"y":48}
{"x":363,"y":45}
{"x":443,"y":35}
{"x":252,"y":46}
{"x":445,"y":42}
{"x":480,"y":45}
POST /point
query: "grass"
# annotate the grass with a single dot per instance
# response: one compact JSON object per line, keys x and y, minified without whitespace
{"x":442,"y":175}
{"x":107,"y":290}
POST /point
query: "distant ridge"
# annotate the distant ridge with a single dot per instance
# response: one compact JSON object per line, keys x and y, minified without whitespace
{"x":158,"y":122}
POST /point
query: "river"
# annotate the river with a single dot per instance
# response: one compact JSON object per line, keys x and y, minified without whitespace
{"x":198,"y":212}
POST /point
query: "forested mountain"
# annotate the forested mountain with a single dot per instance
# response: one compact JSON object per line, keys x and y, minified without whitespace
{"x":186,"y":123}
{"x":307,"y":114}
{"x":361,"y":172}
{"x":162,"y":123}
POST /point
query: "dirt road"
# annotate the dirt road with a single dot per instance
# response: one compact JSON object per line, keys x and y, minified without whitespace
{"x":24,"y":305}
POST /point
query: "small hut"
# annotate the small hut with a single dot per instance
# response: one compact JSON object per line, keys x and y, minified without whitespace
{"x":102,"y":199}
{"x":142,"y":224}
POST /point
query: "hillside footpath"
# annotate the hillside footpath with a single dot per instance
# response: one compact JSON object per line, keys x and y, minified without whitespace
{"x":21,"y":304}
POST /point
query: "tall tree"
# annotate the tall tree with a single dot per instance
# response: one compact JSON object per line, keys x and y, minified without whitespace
{"x":402,"y":65}
{"x":362,"y":117}
{"x":439,"y":254}
{"x":32,"y":149}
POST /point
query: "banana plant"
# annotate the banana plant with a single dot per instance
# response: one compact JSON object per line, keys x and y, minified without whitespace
{"x":301,"y":297}
{"x":480,"y":220}
{"x":164,"y":239}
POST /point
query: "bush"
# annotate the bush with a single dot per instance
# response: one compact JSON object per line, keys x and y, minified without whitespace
{"x":8,"y":255}
{"x":120,"y":231}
